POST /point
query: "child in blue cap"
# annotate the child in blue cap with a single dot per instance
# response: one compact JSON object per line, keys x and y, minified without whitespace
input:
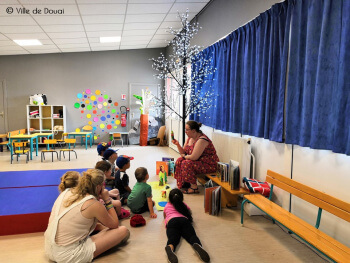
{"x":121,"y":178}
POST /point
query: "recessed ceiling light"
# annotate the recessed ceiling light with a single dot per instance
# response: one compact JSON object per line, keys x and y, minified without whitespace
{"x":109,"y":39}
{"x":28,"y":42}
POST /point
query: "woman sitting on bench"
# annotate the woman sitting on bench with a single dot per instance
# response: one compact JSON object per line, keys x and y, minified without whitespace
{"x":197,"y":156}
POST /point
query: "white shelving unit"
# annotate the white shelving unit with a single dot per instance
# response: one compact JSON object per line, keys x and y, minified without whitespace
{"x":47,"y":118}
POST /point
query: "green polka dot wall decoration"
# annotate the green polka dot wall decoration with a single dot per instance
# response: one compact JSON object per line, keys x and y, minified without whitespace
{"x":99,"y":109}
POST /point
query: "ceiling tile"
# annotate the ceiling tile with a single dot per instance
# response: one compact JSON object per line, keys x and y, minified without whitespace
{"x":144,"y":18}
{"x":9,"y":2}
{"x":58,"y":20}
{"x":7,"y":43}
{"x":182,"y":7}
{"x":133,"y":47}
{"x":156,"y":45}
{"x":57,"y":9}
{"x":174,"y":25}
{"x":148,"y":8}
{"x":136,"y":38}
{"x":24,"y":20}
{"x":145,"y":32}
{"x":80,"y":45}
{"x":173,"y":17}
{"x":9,"y":48}
{"x":94,"y":39}
{"x":63,"y":28}
{"x":20,"y":29}
{"x":163,"y":37}
{"x":158,"y":41}
{"x":104,"y":1}
{"x":27,"y":36}
{"x":67,"y":35}
{"x":45,"y":51}
{"x":103,"y":19}
{"x":193,"y":1}
{"x":43,"y":47}
{"x":13,"y":52}
{"x":151,"y":1}
{"x":104,"y":34}
{"x":138,"y":26}
{"x":104,"y":48}
{"x":16,"y":10}
{"x":139,"y":42}
{"x":46,"y":2}
{"x":104,"y":27}
{"x":69,"y":40}
{"x":102,"y":9}
{"x":75,"y":50}
{"x":111,"y":45}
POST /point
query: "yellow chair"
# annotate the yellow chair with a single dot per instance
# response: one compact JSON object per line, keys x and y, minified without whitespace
{"x":117,"y":137}
{"x":88,"y":128}
{"x":19,"y":148}
{"x":61,"y":142}
{"x":69,"y":150}
{"x":48,"y":150}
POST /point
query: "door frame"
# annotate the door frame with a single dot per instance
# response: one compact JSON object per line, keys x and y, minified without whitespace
{"x":4,"y":111}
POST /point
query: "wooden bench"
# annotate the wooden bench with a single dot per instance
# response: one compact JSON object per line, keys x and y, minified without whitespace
{"x":3,"y":137}
{"x":327,"y":245}
{"x":228,"y":197}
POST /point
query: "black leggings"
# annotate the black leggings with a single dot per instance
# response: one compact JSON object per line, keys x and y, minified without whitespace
{"x":179,"y":227}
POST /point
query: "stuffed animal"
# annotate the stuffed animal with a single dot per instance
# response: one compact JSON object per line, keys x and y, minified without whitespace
{"x":38,"y":99}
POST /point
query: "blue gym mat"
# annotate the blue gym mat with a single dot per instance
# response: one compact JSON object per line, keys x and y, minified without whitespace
{"x":19,"y":179}
{"x":16,"y":201}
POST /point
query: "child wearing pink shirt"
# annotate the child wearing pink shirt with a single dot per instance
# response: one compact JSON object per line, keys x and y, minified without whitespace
{"x":178,"y":222}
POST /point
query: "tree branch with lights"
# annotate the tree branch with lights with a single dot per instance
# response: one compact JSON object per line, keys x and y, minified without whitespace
{"x":187,"y":89}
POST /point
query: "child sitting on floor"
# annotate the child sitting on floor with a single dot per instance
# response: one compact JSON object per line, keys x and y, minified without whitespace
{"x":178,"y":222}
{"x":69,"y":180}
{"x":140,"y":198}
{"x":106,"y":167}
{"x":122,"y":179}
{"x":111,"y":156}
{"x":102,"y":147}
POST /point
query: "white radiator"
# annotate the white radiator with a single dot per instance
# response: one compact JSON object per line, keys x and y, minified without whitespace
{"x":230,"y":147}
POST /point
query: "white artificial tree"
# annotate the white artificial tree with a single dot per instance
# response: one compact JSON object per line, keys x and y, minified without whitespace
{"x":175,"y":68}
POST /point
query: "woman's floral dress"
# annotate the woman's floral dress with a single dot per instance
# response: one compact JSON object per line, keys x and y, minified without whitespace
{"x":185,"y":170}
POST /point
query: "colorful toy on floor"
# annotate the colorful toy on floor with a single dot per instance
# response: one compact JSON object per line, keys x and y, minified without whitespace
{"x":162,"y":176}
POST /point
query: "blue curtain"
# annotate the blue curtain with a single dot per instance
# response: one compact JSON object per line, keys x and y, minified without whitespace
{"x":250,"y":77}
{"x":318,"y":93}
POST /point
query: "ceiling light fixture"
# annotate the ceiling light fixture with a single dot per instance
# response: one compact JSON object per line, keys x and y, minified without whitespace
{"x":110,"y":39}
{"x":28,"y":42}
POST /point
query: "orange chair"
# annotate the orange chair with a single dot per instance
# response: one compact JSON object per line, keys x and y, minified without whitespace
{"x":117,"y":137}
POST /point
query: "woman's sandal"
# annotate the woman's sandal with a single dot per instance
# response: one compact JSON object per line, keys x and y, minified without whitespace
{"x":194,"y":191}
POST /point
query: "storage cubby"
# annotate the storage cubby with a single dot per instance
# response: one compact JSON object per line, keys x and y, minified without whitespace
{"x":46,"y":118}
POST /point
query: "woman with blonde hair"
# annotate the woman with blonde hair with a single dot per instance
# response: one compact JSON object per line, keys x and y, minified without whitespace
{"x":74,"y":216}
{"x":69,"y":180}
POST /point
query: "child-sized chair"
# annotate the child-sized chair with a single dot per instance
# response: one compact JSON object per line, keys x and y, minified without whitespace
{"x":88,"y":128}
{"x":48,"y":150}
{"x":61,"y":142}
{"x":19,"y":148}
{"x":68,"y":142}
{"x":117,"y":137}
